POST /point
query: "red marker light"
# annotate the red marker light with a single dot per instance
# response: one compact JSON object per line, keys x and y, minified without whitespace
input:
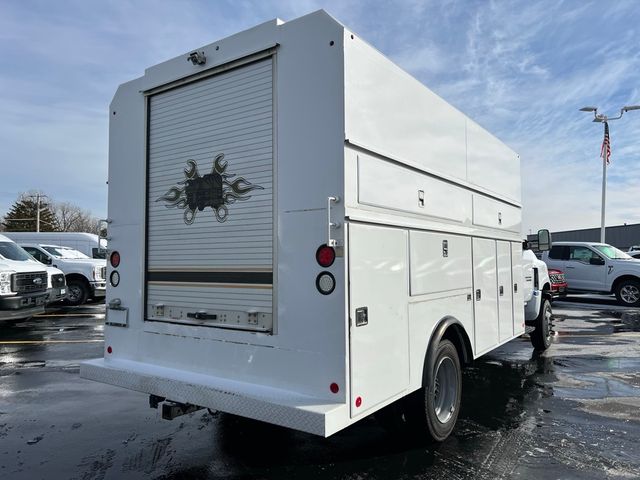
{"x":358,"y":402}
{"x":334,"y":388}
{"x":115,"y":259}
{"x":109,"y":349}
{"x":325,"y":256}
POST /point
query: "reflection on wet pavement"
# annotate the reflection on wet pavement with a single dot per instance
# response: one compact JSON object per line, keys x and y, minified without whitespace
{"x":571,"y":412}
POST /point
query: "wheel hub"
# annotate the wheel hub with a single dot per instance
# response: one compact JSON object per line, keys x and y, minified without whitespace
{"x":74,"y":293}
{"x":445,"y":390}
{"x":630,"y":293}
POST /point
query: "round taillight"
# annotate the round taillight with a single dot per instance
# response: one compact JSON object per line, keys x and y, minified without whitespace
{"x":334,"y":388}
{"x":115,"y":259}
{"x":325,"y":283}
{"x":325,"y":256}
{"x":114,"y":278}
{"x":109,"y":349}
{"x":358,"y":402}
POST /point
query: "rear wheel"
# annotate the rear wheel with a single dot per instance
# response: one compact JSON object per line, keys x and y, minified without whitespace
{"x":78,"y":292}
{"x":541,"y":336}
{"x":442,"y":396}
{"x":432,"y":410}
{"x":628,"y":293}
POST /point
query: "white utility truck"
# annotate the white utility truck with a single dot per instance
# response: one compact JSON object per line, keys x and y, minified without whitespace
{"x":302,"y":233}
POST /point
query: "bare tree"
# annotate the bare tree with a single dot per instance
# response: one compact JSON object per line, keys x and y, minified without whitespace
{"x":73,"y":218}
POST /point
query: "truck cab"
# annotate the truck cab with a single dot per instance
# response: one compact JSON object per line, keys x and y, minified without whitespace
{"x":23,"y":283}
{"x":537,"y":293}
{"x":597,"y":267}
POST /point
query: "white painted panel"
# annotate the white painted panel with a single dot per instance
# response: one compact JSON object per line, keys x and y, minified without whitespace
{"x":485,"y":294}
{"x":378,"y":281}
{"x":505,"y":291}
{"x":424,"y":316}
{"x":488,"y":212}
{"x":437,"y":266}
{"x":492,"y":165}
{"x":517,"y":288}
{"x":390,"y":112}
{"x":388,"y":185}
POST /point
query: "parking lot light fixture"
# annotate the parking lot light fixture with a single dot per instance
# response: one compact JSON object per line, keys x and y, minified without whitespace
{"x":601,"y":118}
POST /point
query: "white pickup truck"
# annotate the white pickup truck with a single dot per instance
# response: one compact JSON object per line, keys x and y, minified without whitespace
{"x":23,"y":284}
{"x":85,"y":276}
{"x":597,"y":267}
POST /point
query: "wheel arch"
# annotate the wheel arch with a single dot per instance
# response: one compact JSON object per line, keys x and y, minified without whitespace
{"x":622,"y":278}
{"x":448,"y":328}
{"x":77,"y":276}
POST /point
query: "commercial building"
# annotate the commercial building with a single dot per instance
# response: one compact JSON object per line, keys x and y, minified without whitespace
{"x":620,"y":236}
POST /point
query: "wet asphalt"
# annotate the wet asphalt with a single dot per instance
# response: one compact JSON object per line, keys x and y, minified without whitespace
{"x":572,"y":412}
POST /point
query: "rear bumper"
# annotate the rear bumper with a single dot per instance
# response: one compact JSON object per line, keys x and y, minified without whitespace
{"x":280,"y":407}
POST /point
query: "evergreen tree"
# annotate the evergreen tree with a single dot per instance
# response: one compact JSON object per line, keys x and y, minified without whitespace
{"x":23,"y":214}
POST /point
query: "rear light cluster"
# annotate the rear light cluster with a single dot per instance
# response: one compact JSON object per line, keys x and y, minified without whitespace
{"x":114,"y":278}
{"x":325,"y":281}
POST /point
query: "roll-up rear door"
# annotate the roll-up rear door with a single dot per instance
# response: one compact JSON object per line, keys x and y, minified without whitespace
{"x":210,"y":201}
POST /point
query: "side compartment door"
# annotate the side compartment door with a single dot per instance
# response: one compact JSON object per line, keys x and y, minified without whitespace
{"x":505,"y":291}
{"x":485,"y":296}
{"x":517,"y":288}
{"x":378,"y":296}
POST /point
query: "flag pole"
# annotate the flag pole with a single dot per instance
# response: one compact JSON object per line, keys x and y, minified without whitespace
{"x":605,"y":152}
{"x":604,"y":196}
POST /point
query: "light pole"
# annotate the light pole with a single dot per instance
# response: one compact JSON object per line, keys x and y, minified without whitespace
{"x":601,"y":118}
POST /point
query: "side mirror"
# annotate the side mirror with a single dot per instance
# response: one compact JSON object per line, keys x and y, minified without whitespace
{"x":48,"y":261}
{"x":544,"y":240}
{"x":596,"y":261}
{"x":102,"y":232}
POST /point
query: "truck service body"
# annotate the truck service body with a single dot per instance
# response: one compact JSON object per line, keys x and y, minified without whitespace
{"x":231,"y":166}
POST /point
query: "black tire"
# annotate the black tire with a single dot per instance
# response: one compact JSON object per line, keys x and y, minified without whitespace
{"x":442,"y":397}
{"x":541,"y":336}
{"x":78,"y":292}
{"x":628,"y":293}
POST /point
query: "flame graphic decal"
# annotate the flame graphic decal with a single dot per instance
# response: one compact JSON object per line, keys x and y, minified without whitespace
{"x":211,"y":190}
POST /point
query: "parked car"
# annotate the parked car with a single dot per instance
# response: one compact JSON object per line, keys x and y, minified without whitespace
{"x":88,"y":243}
{"x":85,"y":276}
{"x":597,"y":267}
{"x":633,"y":248}
{"x":634,"y":253}
{"x":558,"y":283}
{"x":23,"y":283}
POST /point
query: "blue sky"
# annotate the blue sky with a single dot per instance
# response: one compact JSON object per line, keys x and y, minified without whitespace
{"x":521,"y":69}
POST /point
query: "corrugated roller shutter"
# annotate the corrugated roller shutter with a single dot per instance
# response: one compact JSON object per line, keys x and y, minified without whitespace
{"x":210,"y":200}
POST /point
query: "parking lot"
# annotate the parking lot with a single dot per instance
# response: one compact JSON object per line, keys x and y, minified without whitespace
{"x":571,"y":412}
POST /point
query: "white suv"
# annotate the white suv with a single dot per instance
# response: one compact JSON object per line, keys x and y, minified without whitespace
{"x":597,"y":267}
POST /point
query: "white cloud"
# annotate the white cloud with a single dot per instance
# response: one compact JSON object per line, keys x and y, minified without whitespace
{"x":522,"y":69}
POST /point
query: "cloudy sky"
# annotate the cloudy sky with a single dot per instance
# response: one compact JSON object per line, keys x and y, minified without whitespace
{"x":521,"y":69}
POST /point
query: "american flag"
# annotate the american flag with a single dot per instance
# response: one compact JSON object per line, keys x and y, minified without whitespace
{"x":605,"y":152}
